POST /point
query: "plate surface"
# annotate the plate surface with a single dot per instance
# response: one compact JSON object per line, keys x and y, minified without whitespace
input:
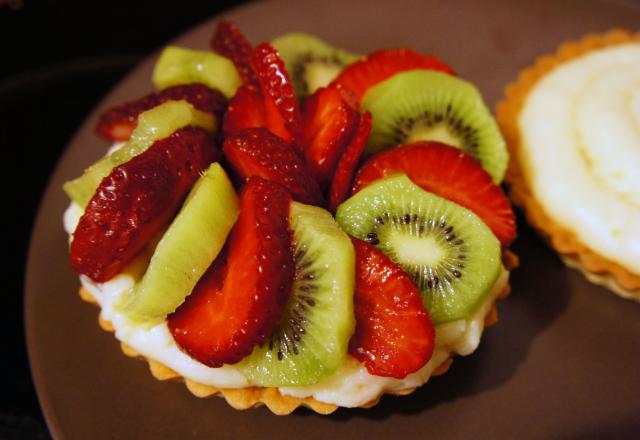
{"x":562,"y":361}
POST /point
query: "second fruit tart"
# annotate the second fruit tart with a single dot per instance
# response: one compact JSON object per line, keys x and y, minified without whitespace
{"x":255,"y":293}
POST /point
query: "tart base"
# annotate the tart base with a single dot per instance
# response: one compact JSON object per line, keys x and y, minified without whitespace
{"x":279,"y":404}
{"x":596,"y":268}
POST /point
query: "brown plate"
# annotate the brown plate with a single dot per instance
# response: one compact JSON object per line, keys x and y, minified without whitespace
{"x":562,"y":361}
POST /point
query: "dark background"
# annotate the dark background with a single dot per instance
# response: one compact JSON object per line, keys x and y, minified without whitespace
{"x":57,"y":59}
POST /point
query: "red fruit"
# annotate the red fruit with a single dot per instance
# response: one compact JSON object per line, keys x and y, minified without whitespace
{"x":341,"y":184}
{"x":258,"y":152}
{"x":245,"y":110}
{"x":281,"y":107}
{"x":136,"y":199}
{"x":329,"y":119}
{"x":394,"y":335}
{"x":238,"y":304}
{"x":250,"y":109}
{"x":271,"y":105}
{"x":450,"y":173}
{"x":228,"y":41}
{"x":117,"y":123}
{"x":382,"y":64}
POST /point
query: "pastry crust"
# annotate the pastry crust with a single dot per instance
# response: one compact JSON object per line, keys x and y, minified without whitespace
{"x":279,"y":404}
{"x":575,"y":254}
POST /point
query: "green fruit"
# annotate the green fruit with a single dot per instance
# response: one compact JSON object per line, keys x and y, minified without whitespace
{"x":312,"y":338}
{"x":187,"y":249}
{"x":452,"y":256}
{"x":427,"y":105}
{"x":311,"y":62}
{"x":178,"y":65}
{"x":153,"y":125}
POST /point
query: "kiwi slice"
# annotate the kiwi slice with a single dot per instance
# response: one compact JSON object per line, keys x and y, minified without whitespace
{"x":186,"y":250}
{"x":428,"y":105}
{"x":178,"y":65}
{"x":154,"y":124}
{"x":452,"y":256}
{"x":311,"y":62}
{"x":311,"y":340}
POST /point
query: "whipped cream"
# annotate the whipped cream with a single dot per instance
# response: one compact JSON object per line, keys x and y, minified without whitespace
{"x":350,"y":386}
{"x":580,"y":133}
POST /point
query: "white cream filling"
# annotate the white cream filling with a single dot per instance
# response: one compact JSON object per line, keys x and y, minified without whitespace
{"x":350,"y":386}
{"x":580,"y":129}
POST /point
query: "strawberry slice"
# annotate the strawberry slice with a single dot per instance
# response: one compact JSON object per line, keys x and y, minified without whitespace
{"x":382,"y":64}
{"x":250,"y":109}
{"x":245,"y":110}
{"x":451,"y":173}
{"x":228,"y":41}
{"x":271,"y":105}
{"x":258,"y":152}
{"x":329,"y":119}
{"x":136,"y":199}
{"x":237,"y":304}
{"x":281,"y":107}
{"x":394,"y":335}
{"x":341,"y":184}
{"x":117,"y":123}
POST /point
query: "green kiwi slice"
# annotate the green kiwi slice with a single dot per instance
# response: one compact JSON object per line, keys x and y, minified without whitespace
{"x":428,"y":105}
{"x":186,"y":250}
{"x":452,"y":256}
{"x":312,"y":338}
{"x":178,"y":65}
{"x":154,"y":124}
{"x":311,"y":62}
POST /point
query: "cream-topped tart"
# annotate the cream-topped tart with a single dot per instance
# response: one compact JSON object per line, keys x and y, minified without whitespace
{"x":233,"y":238}
{"x":572,"y":122}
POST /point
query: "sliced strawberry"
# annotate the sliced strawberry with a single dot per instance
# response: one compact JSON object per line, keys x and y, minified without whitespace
{"x":117,"y":123}
{"x":245,"y":110}
{"x":341,"y":184}
{"x":236,"y":305}
{"x":281,"y":107}
{"x":136,"y":200}
{"x":451,"y":173}
{"x":329,"y":119}
{"x":394,"y":335}
{"x":382,"y":64}
{"x":258,"y":152}
{"x":250,"y":109}
{"x":228,"y":41}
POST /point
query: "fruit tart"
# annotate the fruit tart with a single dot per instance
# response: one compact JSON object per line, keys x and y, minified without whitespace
{"x":290,"y":224}
{"x":572,"y":125}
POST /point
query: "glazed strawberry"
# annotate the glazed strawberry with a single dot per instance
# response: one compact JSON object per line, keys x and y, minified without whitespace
{"x":237,"y":304}
{"x":341,"y":183}
{"x":281,"y":107}
{"x":229,"y":42}
{"x":450,"y":173}
{"x":394,"y":335}
{"x":136,"y":199}
{"x":258,"y":152}
{"x":329,"y":119}
{"x":117,"y":123}
{"x":382,"y":64}
{"x":245,"y":110}
{"x":249,"y":108}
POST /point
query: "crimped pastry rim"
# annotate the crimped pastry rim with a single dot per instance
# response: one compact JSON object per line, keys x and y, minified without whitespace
{"x":279,"y":404}
{"x":575,"y":254}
